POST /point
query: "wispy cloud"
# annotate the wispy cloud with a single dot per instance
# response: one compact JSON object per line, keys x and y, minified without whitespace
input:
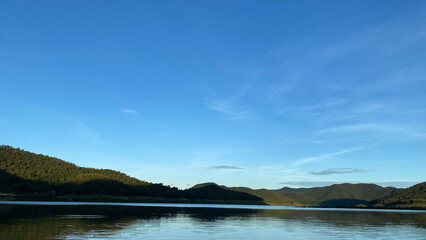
{"x":344,"y":110}
{"x":380,"y":127}
{"x":225,"y":107}
{"x":285,"y":77}
{"x":396,"y":79}
{"x":324,"y":105}
{"x":357,"y":127}
{"x":224,"y":167}
{"x":129,"y":111}
{"x":115,"y":98}
{"x":316,"y":158}
{"x":339,"y":171}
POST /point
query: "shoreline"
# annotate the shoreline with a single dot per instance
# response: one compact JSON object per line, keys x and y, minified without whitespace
{"x":206,"y":204}
{"x":100,"y":199}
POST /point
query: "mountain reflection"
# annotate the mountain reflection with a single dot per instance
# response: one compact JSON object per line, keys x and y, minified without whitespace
{"x":59,"y":222}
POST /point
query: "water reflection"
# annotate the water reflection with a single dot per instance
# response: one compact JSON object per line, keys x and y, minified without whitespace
{"x":120,"y":222}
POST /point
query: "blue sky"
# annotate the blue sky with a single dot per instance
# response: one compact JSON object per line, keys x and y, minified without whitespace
{"x":242,"y":93}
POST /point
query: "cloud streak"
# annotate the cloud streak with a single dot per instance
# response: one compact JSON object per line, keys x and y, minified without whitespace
{"x":226,"y":108}
{"x":339,"y":171}
{"x":224,"y":167}
{"x":316,"y":158}
{"x":373,"y":127}
{"x":129,"y":111}
{"x":324,"y":105}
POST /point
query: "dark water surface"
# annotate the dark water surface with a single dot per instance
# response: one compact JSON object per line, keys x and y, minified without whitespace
{"x":33,"y":220}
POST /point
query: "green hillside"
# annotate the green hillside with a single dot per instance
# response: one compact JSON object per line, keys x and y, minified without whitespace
{"x":214,"y":191}
{"x":268,"y":196}
{"x":414,"y":196}
{"x":38,"y":167}
{"x":201,"y":185}
{"x":337,"y":195}
{"x":29,"y":176}
{"x":25,"y":172}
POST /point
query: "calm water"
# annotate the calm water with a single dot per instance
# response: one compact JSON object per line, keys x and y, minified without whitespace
{"x":176,"y":221}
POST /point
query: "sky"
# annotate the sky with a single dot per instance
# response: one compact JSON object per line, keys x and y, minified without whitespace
{"x":263,"y":94}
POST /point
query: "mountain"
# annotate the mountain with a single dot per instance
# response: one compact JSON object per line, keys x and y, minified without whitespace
{"x":414,"y":196}
{"x":25,"y":172}
{"x":267,"y":196}
{"x":214,"y":191}
{"x":337,"y":195}
{"x":201,"y":185}
{"x":29,"y":176}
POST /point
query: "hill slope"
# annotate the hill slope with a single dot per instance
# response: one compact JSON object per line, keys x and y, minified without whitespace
{"x":414,"y":196}
{"x":214,"y":191}
{"x":38,"y":167}
{"x":337,"y":195}
{"x":25,"y":172}
{"x":267,"y":196}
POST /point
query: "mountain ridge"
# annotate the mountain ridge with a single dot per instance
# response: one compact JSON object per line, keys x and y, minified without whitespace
{"x":346,"y":193}
{"x":268,"y":196}
{"x":26,"y":173}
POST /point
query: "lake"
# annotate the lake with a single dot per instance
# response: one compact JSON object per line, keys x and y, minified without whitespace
{"x":53,"y":220}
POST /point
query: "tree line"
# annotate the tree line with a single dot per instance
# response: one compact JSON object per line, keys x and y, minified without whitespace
{"x":26,"y":172}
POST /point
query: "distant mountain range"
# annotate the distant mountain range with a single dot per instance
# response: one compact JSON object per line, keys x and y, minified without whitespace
{"x":338,"y":194}
{"x":267,"y":196}
{"x":29,"y":176}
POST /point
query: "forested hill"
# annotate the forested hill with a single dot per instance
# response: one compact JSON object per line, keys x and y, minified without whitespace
{"x":27,"y":176}
{"x":213,"y":191}
{"x":267,"y":196}
{"x":414,"y":196}
{"x":25,"y":172}
{"x":337,"y":195}
{"x":38,"y":167}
